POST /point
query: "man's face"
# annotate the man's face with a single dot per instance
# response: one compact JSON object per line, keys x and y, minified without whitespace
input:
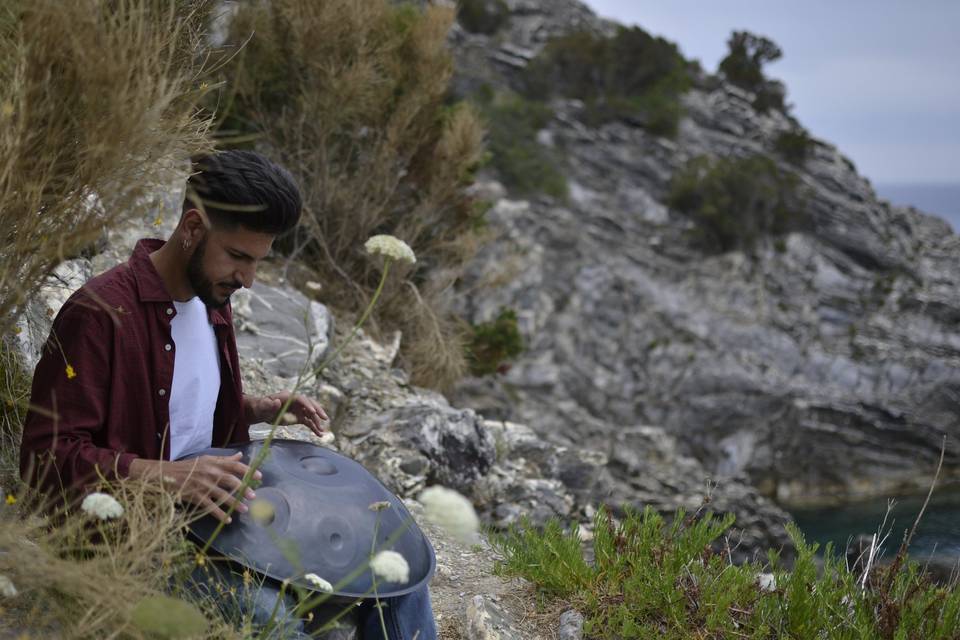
{"x":224,"y":261}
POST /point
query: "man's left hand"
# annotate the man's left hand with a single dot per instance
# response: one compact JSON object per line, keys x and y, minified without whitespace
{"x":304,"y":409}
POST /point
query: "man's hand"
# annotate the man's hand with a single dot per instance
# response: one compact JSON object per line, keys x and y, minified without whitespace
{"x":208,"y":482}
{"x":305,"y":410}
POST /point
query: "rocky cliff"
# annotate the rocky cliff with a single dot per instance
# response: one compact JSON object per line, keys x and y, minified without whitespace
{"x":819,"y":368}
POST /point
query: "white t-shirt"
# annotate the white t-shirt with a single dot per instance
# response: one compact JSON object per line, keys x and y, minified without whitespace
{"x":196,"y":379}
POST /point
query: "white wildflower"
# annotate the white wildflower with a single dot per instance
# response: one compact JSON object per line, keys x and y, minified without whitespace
{"x":390,"y":247}
{"x":7,"y":589}
{"x":767,"y":582}
{"x":391,"y":566}
{"x":101,"y":505}
{"x":318,"y":582}
{"x":451,"y":511}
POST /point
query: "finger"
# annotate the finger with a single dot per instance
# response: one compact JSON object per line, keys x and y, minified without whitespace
{"x":235,"y":485}
{"x":210,"y":507}
{"x":236,"y":468}
{"x":226,"y":499}
{"x":320,"y":412}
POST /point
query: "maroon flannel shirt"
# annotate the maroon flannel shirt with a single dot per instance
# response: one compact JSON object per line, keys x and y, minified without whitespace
{"x":115,"y":334}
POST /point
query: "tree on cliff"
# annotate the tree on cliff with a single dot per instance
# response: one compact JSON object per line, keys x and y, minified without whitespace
{"x":743,"y":66}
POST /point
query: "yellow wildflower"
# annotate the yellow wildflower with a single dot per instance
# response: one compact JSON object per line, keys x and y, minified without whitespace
{"x":201,"y":560}
{"x":158,"y":221}
{"x":11,"y":499}
{"x":71,"y":374}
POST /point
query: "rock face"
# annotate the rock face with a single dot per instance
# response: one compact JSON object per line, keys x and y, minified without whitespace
{"x":820,"y":368}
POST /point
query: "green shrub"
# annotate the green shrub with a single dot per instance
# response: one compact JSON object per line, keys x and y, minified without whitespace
{"x":524,"y":165}
{"x":352,"y":98}
{"x":734,"y":202}
{"x":794,"y":146}
{"x":651,"y":579}
{"x":743,"y":66}
{"x":482,"y":16}
{"x":630,"y":75}
{"x":494,"y":342}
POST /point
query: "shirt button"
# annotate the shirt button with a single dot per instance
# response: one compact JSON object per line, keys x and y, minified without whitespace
{"x":167,"y":347}
{"x":162,"y":392}
{"x":169,"y":311}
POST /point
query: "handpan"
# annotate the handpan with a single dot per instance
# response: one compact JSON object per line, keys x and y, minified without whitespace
{"x":322,"y":522}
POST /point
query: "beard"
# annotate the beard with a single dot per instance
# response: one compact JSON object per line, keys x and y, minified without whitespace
{"x":200,"y":283}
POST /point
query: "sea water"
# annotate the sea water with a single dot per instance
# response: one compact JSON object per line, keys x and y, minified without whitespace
{"x":938,"y":533}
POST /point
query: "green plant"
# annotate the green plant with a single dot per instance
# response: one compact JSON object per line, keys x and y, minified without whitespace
{"x":494,"y":342}
{"x":794,"y":146}
{"x":352,"y":98}
{"x":743,"y":66}
{"x":630,"y":75}
{"x":654,"y":579}
{"x":735,"y":201}
{"x":482,"y":16}
{"x":525,"y":166}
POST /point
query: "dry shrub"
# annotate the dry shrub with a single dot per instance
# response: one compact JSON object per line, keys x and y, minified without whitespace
{"x":351,"y":97}
{"x":14,"y":396}
{"x":96,"y":103}
{"x":79,"y":577}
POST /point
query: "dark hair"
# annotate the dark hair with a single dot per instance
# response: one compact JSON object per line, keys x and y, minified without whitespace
{"x":243,"y":188}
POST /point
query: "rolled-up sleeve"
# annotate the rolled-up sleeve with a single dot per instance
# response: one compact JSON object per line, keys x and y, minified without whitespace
{"x":69,"y":404}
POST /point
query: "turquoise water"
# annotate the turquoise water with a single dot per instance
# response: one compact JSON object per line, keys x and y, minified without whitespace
{"x":938,"y":533}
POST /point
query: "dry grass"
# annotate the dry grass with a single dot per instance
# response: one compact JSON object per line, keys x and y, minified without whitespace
{"x":96,"y":103}
{"x":350,"y":96}
{"x":82,"y":578}
{"x":14,"y":397}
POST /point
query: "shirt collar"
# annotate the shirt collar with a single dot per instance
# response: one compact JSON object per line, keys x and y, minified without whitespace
{"x":150,"y":285}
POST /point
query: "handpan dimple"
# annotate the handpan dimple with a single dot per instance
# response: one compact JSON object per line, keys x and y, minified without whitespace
{"x":318,"y":465}
{"x":336,"y":541}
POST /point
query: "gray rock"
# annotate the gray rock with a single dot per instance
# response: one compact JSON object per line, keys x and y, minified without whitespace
{"x":443,"y":445}
{"x":820,"y":368}
{"x":281,"y":328}
{"x":571,"y":625}
{"x":486,"y":620}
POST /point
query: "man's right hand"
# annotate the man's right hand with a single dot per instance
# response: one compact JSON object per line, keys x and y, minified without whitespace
{"x":208,"y":482}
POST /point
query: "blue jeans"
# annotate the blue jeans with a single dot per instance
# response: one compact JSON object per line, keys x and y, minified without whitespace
{"x":406,"y":617}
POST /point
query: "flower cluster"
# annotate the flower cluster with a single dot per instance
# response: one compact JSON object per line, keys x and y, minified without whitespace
{"x":451,"y":511}
{"x":318,"y":582}
{"x":102,"y":506}
{"x":390,"y":247}
{"x":391,"y":567}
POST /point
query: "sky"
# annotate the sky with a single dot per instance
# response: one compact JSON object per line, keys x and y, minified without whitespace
{"x":880,"y":79}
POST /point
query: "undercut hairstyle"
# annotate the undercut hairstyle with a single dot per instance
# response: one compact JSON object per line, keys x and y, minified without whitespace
{"x":243,"y":189}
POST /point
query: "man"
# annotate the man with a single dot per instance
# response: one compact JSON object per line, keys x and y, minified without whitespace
{"x":141,"y":367}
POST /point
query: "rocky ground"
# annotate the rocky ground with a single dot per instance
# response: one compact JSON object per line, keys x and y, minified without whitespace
{"x":821,"y":368}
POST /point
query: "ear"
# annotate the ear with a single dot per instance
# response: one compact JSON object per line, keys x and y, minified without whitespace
{"x":193,"y":225}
